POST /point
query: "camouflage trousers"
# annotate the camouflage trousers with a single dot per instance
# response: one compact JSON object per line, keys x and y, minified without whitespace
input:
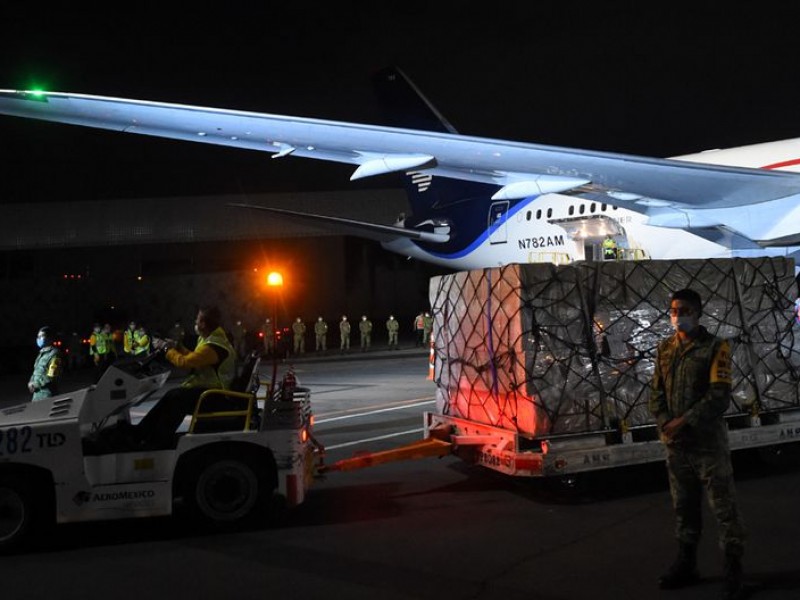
{"x":689,"y":472}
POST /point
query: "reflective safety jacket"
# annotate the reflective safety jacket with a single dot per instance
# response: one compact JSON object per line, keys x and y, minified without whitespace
{"x":127,"y":341}
{"x":141,"y":342}
{"x":693,"y":380}
{"x":101,"y":343}
{"x":207,"y":369}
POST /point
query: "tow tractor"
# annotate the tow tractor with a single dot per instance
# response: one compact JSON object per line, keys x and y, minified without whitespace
{"x":75,"y":457}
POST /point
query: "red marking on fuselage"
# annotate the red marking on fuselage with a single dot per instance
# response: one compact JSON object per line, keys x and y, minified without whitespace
{"x":781,"y":165}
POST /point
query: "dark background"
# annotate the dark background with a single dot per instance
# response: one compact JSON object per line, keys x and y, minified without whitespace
{"x":634,"y":77}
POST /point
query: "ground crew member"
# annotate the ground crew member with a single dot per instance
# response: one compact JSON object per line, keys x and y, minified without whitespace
{"x":344,"y":334}
{"x":427,"y":327}
{"x":268,"y":331}
{"x":141,"y":341}
{"x":419,"y":329}
{"x":365,"y":327}
{"x":46,"y":368}
{"x":690,"y":393}
{"x":321,"y":333}
{"x":127,"y":339}
{"x":101,"y":347}
{"x":392,"y":326}
{"x":299,"y":330}
{"x":213,"y":366}
{"x":609,"y":248}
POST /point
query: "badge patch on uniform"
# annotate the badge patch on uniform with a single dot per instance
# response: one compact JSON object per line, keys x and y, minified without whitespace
{"x":54,"y":368}
{"x":721,"y":365}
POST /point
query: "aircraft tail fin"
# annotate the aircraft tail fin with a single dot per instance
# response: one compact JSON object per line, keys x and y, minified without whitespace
{"x":405,"y":106}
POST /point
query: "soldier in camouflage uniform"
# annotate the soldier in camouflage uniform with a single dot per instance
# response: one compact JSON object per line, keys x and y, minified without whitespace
{"x":321,"y":334}
{"x":392,"y":327}
{"x":690,"y":393}
{"x":46,"y":369}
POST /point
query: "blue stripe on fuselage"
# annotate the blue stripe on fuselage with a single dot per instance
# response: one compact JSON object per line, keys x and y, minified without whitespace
{"x":482,"y":236}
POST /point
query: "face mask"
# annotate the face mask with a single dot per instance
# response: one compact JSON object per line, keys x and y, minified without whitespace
{"x":684,"y":323}
{"x":40,"y":342}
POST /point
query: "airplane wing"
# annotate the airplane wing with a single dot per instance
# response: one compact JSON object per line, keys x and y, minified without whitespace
{"x":519,"y":169}
{"x":372,"y":231}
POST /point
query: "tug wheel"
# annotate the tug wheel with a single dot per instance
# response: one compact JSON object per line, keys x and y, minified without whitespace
{"x":16,"y":513}
{"x":227,"y":490}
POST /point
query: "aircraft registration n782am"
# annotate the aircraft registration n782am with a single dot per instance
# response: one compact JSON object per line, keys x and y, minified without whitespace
{"x":478,"y":202}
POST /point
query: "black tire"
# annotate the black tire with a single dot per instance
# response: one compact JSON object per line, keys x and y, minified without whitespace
{"x":226,"y":491}
{"x":17,"y":512}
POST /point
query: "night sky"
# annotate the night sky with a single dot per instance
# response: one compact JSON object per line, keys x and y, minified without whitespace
{"x":644,"y":78}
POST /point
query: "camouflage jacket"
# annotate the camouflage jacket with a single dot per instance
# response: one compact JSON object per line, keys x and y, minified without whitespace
{"x":46,"y":371}
{"x":693,"y":380}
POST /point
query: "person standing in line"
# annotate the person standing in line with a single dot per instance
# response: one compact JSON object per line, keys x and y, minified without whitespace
{"x":690,"y":392}
{"x":321,"y":333}
{"x":365,"y":327}
{"x":268,"y":333}
{"x":344,"y":334}
{"x":392,"y":327}
{"x":299,"y":330}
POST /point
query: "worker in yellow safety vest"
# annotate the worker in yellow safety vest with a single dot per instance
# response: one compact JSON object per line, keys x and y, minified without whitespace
{"x":609,"y":248}
{"x":212,"y":365}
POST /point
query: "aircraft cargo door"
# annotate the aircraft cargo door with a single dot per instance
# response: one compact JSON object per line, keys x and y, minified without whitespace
{"x":498,"y":225}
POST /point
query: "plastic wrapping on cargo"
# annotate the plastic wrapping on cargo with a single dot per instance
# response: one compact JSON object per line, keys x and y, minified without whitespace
{"x":546,"y":349}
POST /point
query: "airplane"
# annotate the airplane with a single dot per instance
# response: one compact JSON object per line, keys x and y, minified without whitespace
{"x":480,"y":202}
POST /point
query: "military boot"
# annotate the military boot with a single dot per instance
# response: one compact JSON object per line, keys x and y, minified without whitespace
{"x":733,"y":588}
{"x":683,"y":571}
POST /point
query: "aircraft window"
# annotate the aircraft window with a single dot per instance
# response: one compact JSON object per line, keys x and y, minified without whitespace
{"x":538,"y":214}
{"x":613,"y":207}
{"x":528,"y":215}
{"x":582,"y":208}
{"x":549,"y":212}
{"x":592,"y":207}
{"x":603,"y":207}
{"x":571,"y":210}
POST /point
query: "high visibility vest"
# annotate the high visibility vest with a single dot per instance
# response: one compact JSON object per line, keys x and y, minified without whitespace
{"x":217,"y":377}
{"x":127,"y":341}
{"x":141,"y":342}
{"x":102,"y":342}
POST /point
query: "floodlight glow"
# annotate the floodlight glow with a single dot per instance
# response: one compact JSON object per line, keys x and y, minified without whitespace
{"x":274,"y":279}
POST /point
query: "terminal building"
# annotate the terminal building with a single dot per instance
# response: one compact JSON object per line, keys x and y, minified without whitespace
{"x":155,"y":260}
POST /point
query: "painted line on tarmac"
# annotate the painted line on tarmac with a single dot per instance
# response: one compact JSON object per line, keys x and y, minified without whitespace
{"x":374,"y":439}
{"x":372,"y":412}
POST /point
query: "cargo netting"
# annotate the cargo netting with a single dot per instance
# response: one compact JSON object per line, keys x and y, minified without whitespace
{"x":545,"y":349}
